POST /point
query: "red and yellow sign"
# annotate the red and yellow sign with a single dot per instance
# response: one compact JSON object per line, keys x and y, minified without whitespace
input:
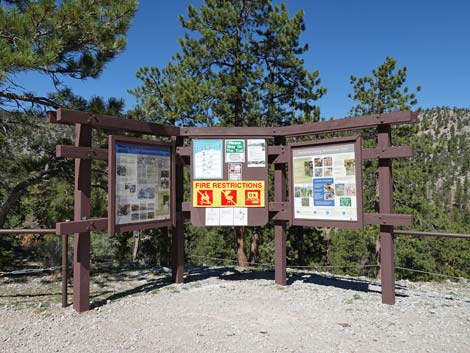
{"x":226,"y":193}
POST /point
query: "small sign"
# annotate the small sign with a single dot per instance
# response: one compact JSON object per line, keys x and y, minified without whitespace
{"x":228,"y":193}
{"x":256,"y":150}
{"x":234,"y":151}
{"x":234,"y":171}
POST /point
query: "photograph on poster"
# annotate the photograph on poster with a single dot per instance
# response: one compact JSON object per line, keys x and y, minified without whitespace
{"x":142,"y":183}
{"x":324,"y":182}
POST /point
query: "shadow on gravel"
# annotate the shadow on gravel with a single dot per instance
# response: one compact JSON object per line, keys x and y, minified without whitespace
{"x":232,"y":274}
{"x":144,"y":288}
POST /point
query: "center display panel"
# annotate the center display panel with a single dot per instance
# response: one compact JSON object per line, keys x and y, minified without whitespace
{"x":229,"y":182}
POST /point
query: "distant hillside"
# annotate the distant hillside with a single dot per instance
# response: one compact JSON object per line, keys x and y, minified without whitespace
{"x":445,"y":136}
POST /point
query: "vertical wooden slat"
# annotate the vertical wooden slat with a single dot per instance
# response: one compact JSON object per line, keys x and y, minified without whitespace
{"x":65,"y":265}
{"x":82,"y":207}
{"x":387,"y":265}
{"x":178,"y":226}
{"x":280,"y":185}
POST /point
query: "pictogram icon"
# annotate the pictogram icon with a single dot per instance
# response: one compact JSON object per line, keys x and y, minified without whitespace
{"x":205,"y":197}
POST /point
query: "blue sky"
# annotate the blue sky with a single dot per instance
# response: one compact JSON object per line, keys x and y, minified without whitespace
{"x":431,"y":38}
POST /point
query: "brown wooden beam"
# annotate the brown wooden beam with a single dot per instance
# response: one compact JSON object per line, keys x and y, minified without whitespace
{"x":93,"y":224}
{"x":349,"y":124}
{"x":112,"y":123}
{"x":386,"y":253}
{"x":345,"y":124}
{"x":82,"y":210}
{"x":388,"y":219}
{"x":66,"y":151}
{"x":388,"y":152}
{"x":278,"y":154}
{"x":280,"y":197}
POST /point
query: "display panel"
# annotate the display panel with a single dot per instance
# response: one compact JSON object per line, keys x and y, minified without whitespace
{"x":229,"y":179}
{"x":140,"y":183}
{"x":326,"y":182}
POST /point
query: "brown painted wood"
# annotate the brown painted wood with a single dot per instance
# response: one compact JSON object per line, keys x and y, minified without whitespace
{"x":178,"y":225}
{"x":350,"y":124}
{"x":65,"y":151}
{"x":280,"y":197}
{"x":92,"y":224}
{"x":388,"y":219}
{"x":111,"y":123}
{"x":346,"y":124}
{"x":82,"y":209}
{"x":387,"y":263}
{"x":388,"y":152}
{"x":65,"y":265}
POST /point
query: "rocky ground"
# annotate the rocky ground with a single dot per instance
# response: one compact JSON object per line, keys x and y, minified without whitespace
{"x":221,"y":309}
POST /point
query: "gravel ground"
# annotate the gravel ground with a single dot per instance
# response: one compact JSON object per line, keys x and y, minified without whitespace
{"x":221,"y":309}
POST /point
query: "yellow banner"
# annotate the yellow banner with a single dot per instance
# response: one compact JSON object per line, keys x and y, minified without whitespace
{"x":226,"y":193}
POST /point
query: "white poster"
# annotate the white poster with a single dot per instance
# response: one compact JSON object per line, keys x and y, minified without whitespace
{"x":212,"y":216}
{"x":208,"y":159}
{"x":324,"y":180}
{"x":256,"y":153}
{"x":240,"y":216}
{"x":142,"y":183}
{"x":226,"y":216}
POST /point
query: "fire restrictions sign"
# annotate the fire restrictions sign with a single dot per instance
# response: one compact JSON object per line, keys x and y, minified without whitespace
{"x":228,"y":193}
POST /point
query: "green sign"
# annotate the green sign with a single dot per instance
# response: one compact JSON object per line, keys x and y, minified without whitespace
{"x":234,"y":146}
{"x":234,"y":151}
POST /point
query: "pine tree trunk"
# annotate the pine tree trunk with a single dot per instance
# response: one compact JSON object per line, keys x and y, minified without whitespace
{"x":135,"y":252}
{"x":254,"y":250}
{"x":242,"y":258}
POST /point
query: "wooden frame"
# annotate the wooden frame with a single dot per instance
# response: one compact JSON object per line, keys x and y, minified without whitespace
{"x":112,"y":226}
{"x":356,"y":141}
{"x":280,"y":211}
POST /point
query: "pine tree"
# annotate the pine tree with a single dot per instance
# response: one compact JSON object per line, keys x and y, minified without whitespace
{"x":240,"y":65}
{"x":70,"y":38}
{"x":379,"y":93}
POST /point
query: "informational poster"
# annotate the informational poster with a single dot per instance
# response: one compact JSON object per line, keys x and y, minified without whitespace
{"x":324,"y":182}
{"x":228,"y":193}
{"x":256,"y":153}
{"x":234,"y":151}
{"x":142,"y":190}
{"x":208,"y":159}
{"x":218,"y":216}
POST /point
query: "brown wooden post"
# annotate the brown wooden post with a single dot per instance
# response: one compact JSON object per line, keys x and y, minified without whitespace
{"x":280,"y":184}
{"x":82,"y":207}
{"x":178,"y":224}
{"x":65,"y":265}
{"x":387,"y":258}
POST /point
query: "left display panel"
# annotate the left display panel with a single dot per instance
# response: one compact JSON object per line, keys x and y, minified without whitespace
{"x":139,"y":184}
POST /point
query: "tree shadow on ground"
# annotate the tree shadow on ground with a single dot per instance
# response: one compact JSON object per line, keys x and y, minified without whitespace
{"x":347,"y":283}
{"x":143,"y":288}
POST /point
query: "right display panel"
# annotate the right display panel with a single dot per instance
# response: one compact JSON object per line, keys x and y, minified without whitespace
{"x":326,"y":183}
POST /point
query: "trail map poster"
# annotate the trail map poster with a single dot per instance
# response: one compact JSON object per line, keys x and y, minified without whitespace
{"x":142,"y":183}
{"x":208,"y":159}
{"x":325,"y":182}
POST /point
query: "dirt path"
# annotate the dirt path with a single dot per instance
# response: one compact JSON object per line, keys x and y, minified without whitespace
{"x":220,"y":309}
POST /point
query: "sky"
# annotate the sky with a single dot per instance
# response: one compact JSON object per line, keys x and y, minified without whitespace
{"x":431,"y":38}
